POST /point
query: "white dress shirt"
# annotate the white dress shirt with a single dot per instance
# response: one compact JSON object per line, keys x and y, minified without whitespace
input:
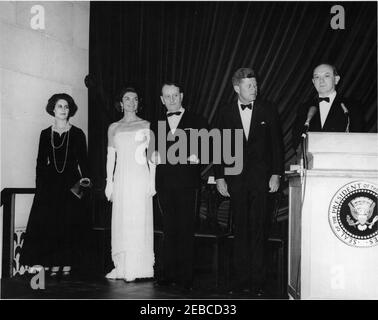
{"x":246,"y":116}
{"x":325,"y":106}
{"x":174,"y":120}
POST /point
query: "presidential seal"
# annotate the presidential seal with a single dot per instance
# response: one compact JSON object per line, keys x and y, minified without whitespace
{"x":353,"y":214}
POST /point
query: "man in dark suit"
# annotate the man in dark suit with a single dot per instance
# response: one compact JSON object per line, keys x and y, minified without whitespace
{"x":328,"y":112}
{"x":248,"y":190}
{"x":177,"y":186}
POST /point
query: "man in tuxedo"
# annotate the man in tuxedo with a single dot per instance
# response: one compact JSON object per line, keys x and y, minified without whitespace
{"x":328,"y":112}
{"x":177,"y":187}
{"x":262,"y":169}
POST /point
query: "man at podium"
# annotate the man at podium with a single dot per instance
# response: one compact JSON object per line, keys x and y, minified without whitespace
{"x":329,"y":111}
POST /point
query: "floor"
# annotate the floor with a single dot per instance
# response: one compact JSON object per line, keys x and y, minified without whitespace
{"x":20,"y":287}
{"x":98,"y":287}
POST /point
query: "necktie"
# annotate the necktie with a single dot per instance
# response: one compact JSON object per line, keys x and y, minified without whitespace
{"x":323,"y":99}
{"x":243,"y":106}
{"x":176,"y":113}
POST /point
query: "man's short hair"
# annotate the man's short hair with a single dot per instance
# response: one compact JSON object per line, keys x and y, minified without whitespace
{"x":171,"y":83}
{"x":334,"y":69}
{"x":242,"y":73}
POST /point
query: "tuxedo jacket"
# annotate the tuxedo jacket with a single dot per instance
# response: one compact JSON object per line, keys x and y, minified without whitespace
{"x":262,"y":151}
{"x":178,"y":175}
{"x":336,"y":120}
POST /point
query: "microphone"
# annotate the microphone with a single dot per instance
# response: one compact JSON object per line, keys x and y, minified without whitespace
{"x":310,"y":114}
{"x":345,"y":109}
{"x":346,"y":112}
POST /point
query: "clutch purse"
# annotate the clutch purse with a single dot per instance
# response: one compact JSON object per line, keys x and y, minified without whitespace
{"x":81,"y":186}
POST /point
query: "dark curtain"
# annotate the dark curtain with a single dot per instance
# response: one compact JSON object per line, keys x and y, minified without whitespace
{"x":201,"y":44}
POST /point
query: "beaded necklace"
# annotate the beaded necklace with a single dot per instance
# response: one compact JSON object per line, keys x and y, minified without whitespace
{"x":67,"y":134}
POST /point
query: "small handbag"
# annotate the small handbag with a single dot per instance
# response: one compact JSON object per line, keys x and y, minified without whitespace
{"x":80,"y":187}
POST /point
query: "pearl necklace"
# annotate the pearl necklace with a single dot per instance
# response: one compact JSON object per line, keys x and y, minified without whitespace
{"x":54,"y":147}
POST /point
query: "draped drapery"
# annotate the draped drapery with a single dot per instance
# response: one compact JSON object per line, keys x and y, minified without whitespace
{"x":201,"y":44}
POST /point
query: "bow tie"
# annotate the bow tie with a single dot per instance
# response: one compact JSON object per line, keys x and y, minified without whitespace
{"x":249,"y":106}
{"x":326,"y":99}
{"x":176,"y":113}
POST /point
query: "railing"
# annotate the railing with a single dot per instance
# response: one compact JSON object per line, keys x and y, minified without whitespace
{"x":8,"y":196}
{"x":101,"y":212}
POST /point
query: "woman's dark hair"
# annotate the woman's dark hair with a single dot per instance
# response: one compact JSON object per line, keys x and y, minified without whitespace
{"x":54,"y":99}
{"x":123,"y":91}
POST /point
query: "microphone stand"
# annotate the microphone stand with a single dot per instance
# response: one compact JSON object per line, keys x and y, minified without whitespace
{"x":346,"y":112}
{"x":348,"y":122}
{"x":304,"y":165}
{"x":304,"y":147}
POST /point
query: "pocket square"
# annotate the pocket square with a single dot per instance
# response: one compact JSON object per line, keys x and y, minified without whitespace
{"x":193,"y":158}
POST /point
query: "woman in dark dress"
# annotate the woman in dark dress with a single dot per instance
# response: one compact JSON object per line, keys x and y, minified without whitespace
{"x":52,"y":230}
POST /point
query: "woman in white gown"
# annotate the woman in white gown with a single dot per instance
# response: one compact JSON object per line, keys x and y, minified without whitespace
{"x":130,"y":187}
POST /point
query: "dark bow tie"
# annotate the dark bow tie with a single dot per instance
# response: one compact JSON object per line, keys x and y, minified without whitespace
{"x":177,"y":113}
{"x":249,"y":106}
{"x":326,"y":99}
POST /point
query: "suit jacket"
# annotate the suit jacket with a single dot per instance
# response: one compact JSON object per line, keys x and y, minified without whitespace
{"x":178,"y":175}
{"x":262,"y":152}
{"x":336,"y":120}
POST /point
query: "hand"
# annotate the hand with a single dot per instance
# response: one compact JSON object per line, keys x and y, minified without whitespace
{"x":152,"y":190}
{"x":155,"y":158}
{"x":222,"y":187}
{"x":274,"y":183}
{"x":109,"y":190}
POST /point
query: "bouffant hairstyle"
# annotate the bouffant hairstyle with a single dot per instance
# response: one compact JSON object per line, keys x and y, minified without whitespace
{"x":123,"y":91}
{"x":54,"y":99}
{"x":242,"y":73}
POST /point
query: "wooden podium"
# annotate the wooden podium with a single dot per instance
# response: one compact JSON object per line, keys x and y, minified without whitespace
{"x":333,"y":223}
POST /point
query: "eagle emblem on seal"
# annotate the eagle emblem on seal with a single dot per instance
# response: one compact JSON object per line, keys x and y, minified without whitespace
{"x":361,"y":209}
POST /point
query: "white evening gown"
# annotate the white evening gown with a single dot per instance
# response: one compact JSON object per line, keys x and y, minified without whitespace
{"x":132,"y":217}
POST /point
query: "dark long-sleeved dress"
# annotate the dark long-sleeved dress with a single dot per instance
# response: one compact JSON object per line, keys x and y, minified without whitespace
{"x":53,"y":227}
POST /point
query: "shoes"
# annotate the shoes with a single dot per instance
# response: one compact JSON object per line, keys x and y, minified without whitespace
{"x":54,"y":274}
{"x":238,"y":291}
{"x":112,"y":275}
{"x":239,"y":288}
{"x":186,"y":288}
{"x":35,"y":269}
{"x":139,"y":280}
{"x":164,"y":283}
{"x":66,"y":271}
{"x":259,"y":292}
